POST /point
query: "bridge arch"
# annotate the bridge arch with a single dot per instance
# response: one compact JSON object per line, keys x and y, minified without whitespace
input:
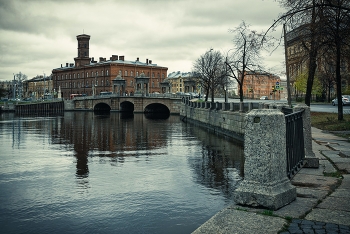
{"x":156,"y":108}
{"x":127,"y":106}
{"x":101,"y":106}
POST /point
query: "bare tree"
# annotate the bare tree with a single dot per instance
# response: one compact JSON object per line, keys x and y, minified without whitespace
{"x":328,"y":26}
{"x":246,"y":54}
{"x":211,"y":70}
{"x":17,"y":85}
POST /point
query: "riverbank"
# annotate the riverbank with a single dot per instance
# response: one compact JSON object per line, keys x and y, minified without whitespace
{"x":322,"y":204}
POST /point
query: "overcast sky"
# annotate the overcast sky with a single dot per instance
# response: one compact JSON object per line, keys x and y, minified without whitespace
{"x":39,"y":35}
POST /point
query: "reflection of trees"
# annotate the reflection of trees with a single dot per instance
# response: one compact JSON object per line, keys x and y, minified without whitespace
{"x":221,"y":163}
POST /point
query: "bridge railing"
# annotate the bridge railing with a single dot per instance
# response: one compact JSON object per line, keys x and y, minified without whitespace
{"x":295,"y":148}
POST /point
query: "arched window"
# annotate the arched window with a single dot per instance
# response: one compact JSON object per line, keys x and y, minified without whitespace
{"x":87,"y":83}
{"x":102,"y":73}
{"x":66,"y":77}
{"x":102,"y":83}
{"x":87,"y":75}
{"x":131,"y":73}
{"x":125,"y":73}
{"x":78,"y":75}
{"x":82,"y":75}
{"x":92,"y":74}
{"x":70,"y":76}
{"x":96,"y":73}
{"x":107,"y":73}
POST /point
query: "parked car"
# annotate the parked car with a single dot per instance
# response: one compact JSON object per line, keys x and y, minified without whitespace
{"x":345,"y":100}
{"x":264,"y":98}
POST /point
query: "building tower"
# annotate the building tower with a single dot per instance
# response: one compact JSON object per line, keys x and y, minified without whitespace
{"x":83,"y":50}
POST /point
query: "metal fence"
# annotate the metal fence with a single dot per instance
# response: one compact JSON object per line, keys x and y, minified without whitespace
{"x":294,"y":142}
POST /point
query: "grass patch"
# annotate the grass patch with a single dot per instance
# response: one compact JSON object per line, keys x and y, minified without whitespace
{"x":268,"y":212}
{"x":330,"y":122}
{"x":336,"y":174}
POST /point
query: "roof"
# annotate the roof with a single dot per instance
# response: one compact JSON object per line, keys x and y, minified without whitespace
{"x":123,"y":62}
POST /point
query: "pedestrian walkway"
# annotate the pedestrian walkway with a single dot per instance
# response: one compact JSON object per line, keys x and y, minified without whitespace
{"x":322,"y":204}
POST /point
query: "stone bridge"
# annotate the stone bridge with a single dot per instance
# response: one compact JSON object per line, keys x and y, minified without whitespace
{"x":134,"y":104}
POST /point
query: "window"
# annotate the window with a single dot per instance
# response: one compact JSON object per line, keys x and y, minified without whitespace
{"x":137,"y":74}
{"x":101,"y":73}
{"x":131,"y":83}
{"x":82,"y":75}
{"x":74,"y":75}
{"x":70,"y":76}
{"x":73,"y":84}
{"x":66,"y":77}
{"x":96,"y":73}
{"x":102,"y":83}
{"x":78,"y":75}
{"x":61,"y":77}
{"x":107,"y":73}
{"x":163,"y":75}
{"x":87,"y":75}
{"x":153,"y":74}
{"x":125,"y":73}
{"x":152,"y":84}
{"x":87,"y":83}
{"x":107,"y":82}
{"x":92,"y":74}
{"x":96,"y":83}
{"x":131,"y":73}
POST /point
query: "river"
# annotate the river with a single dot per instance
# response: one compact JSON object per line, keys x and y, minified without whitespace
{"x":88,"y":173}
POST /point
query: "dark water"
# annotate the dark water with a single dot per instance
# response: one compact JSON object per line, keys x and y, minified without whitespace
{"x":88,"y":173}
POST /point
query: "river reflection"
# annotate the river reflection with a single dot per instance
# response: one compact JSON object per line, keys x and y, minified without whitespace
{"x":104,"y":173}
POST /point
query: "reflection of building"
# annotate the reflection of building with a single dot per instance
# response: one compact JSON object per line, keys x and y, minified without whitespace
{"x":260,"y":83}
{"x":297,"y":60}
{"x":38,"y":86}
{"x":87,"y":76}
{"x":183,"y":82}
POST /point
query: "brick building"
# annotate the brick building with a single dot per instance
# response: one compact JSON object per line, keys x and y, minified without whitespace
{"x":90,"y":77}
{"x":259,"y":83}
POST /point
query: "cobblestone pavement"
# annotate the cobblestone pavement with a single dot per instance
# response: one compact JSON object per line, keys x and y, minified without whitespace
{"x":307,"y":226}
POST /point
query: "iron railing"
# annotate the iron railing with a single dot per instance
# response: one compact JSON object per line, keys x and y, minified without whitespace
{"x":294,"y":142}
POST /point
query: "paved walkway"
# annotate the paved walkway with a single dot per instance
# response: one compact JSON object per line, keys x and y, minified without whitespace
{"x":322,"y":204}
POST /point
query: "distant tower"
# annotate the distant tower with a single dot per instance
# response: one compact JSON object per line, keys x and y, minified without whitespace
{"x":83,"y":50}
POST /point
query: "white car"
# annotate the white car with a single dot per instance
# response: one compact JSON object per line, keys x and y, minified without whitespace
{"x":345,"y":100}
{"x":264,"y":98}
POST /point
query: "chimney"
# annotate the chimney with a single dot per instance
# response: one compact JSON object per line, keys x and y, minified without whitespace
{"x":146,"y":61}
{"x":66,"y":64}
{"x":61,"y":64}
{"x":137,"y":59}
{"x":150,"y":61}
{"x":101,"y":59}
{"x":114,"y":57}
{"x":121,"y":58}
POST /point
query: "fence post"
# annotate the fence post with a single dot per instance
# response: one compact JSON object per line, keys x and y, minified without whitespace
{"x":265,"y":175}
{"x":310,"y":157}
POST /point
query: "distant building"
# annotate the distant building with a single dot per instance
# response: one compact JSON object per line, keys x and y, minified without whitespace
{"x":38,"y":87}
{"x":183,"y":82}
{"x":298,"y":59}
{"x":90,"y":77}
{"x":259,"y":83}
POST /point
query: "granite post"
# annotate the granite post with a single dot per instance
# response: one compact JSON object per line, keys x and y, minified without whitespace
{"x":265,"y":169}
{"x":310,"y":157}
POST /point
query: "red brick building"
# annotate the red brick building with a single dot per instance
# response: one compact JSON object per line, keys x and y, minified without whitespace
{"x":87,"y":76}
{"x":259,"y":83}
